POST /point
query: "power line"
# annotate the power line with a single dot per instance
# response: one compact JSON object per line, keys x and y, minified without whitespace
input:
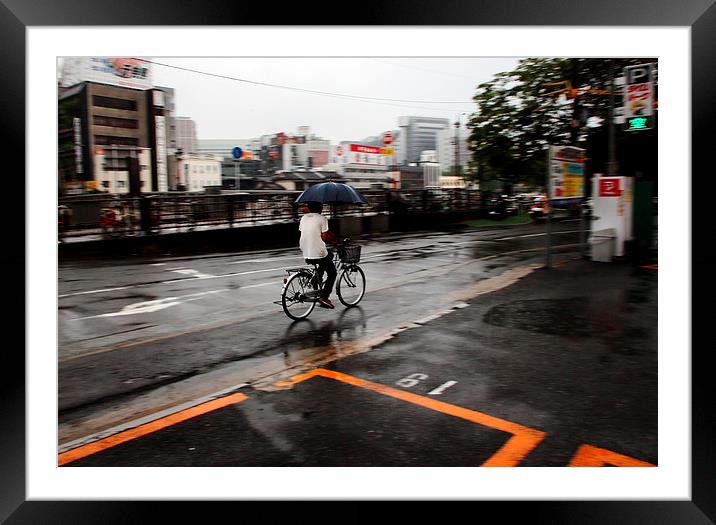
{"x":314,"y":92}
{"x":440,"y":73}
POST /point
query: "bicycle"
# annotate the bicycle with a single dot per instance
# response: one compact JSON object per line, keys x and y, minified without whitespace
{"x":301,"y":287}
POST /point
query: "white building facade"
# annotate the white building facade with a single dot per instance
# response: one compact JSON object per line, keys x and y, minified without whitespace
{"x":196,"y":172}
{"x":361,"y":165}
{"x":446,"y":150}
{"x":112,"y":174}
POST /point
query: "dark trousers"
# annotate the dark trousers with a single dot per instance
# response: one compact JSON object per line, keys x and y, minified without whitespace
{"x":325,"y":265}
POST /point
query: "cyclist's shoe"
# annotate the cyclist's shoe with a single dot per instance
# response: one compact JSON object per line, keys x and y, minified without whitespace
{"x":325,"y":303}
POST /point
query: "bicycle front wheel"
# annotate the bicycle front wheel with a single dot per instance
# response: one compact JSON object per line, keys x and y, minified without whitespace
{"x":298,"y":297}
{"x":351,"y":285}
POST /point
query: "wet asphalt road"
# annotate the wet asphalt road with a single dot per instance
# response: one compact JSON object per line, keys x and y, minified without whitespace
{"x":126,"y":326}
{"x":148,"y":335}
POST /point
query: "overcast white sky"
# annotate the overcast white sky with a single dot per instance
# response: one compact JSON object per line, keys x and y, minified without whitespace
{"x":227,"y":109}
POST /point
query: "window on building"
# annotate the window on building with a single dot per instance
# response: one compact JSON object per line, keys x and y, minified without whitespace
{"x":114,"y":103}
{"x":106,"y":140}
{"x":100,"y":120}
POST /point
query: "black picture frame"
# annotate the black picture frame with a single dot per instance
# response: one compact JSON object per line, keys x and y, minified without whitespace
{"x":699,"y":15}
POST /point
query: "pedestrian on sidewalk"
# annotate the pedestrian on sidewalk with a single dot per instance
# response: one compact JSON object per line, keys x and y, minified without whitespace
{"x":314,"y":235}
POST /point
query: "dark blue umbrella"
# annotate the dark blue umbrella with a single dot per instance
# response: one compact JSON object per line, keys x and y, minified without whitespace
{"x":332,"y":193}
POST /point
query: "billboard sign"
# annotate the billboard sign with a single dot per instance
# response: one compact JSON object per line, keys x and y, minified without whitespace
{"x":566,"y":174}
{"x":365,"y":155}
{"x":126,"y":72}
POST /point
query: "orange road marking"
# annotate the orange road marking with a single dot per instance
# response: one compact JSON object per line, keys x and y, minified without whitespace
{"x":523,"y":441}
{"x":147,"y":428}
{"x":589,"y":456}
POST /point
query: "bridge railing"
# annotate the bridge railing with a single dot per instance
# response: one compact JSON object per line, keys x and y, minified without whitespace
{"x":112,"y":215}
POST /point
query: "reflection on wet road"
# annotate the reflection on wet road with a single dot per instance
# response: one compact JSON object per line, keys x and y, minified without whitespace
{"x":141,"y":325}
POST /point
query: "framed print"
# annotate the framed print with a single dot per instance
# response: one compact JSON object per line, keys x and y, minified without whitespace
{"x":35,"y":33}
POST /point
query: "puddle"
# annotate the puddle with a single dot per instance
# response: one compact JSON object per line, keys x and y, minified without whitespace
{"x":547,"y":316}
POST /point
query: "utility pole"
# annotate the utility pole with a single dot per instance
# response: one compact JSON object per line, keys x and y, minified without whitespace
{"x":457,"y":146}
{"x":611,"y":163}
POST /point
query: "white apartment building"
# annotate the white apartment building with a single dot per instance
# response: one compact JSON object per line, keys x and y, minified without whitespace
{"x":446,"y":149}
{"x":196,"y":172}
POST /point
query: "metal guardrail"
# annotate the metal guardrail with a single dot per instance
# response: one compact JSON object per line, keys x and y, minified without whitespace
{"x":115,"y":216}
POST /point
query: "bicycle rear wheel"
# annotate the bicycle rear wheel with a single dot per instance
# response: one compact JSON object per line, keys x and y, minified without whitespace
{"x":298,"y":297}
{"x":351,"y":285}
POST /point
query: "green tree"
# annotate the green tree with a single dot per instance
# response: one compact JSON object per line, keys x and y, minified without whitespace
{"x":522,"y":111}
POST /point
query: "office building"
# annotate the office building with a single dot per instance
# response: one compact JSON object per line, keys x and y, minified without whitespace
{"x":100,"y":127}
{"x":418,"y":134}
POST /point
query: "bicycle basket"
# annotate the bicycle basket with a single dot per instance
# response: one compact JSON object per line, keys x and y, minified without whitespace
{"x":350,"y":254}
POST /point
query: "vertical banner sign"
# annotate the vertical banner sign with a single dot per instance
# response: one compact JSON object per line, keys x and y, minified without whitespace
{"x":638,"y":97}
{"x":77,"y":128}
{"x":566,"y":174}
{"x":161,"y":134}
{"x":160,"y":126}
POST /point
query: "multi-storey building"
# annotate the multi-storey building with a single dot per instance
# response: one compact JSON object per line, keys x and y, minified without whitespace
{"x":169,"y":113}
{"x":418,"y":134}
{"x":195,"y":172}
{"x":102,"y":126}
{"x":448,"y":156}
{"x":186,"y":135}
{"x":361,"y":165}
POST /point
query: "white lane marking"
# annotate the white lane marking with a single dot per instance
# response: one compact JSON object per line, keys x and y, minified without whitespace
{"x":193,"y":273}
{"x":258,"y":285}
{"x":93,"y":291}
{"x":155,"y":305}
{"x":226,"y":275}
{"x":534,"y":235}
{"x":439,"y":390}
{"x":265,"y":260}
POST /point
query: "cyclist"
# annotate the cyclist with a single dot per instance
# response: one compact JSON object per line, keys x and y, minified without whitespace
{"x":314,"y":234}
